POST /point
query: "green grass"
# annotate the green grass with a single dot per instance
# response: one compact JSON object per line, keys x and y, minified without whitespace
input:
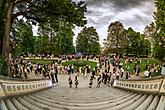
{"x":40,"y":61}
{"x":78,"y":63}
{"x":142,"y":64}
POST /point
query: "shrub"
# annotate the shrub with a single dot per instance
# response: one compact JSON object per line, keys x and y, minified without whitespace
{"x":3,"y":67}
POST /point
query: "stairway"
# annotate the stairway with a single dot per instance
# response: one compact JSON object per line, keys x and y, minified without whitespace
{"x":64,"y":98}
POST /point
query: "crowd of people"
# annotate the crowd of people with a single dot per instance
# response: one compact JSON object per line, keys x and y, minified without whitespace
{"x":105,"y":72}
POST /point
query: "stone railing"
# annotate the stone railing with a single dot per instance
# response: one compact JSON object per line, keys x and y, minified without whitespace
{"x":147,"y":85}
{"x":13,"y":87}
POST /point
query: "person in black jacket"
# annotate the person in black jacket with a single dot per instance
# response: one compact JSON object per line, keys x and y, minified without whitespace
{"x":76,"y":81}
{"x":98,"y":81}
{"x":70,"y":81}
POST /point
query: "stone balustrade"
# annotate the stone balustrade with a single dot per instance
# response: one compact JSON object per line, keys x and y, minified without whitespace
{"x":147,"y":85}
{"x":13,"y":87}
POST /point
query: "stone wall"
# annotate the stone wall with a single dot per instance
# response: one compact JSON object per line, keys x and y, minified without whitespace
{"x":12,"y":87}
{"x":147,"y":85}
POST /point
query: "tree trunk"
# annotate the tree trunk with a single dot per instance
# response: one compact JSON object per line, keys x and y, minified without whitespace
{"x":6,"y":36}
{"x":2,"y":3}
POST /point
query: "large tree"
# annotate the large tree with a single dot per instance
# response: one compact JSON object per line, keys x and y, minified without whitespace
{"x":159,"y":48}
{"x":38,"y":11}
{"x":59,"y":41}
{"x":115,"y":37}
{"x":137,"y":44}
{"x":88,"y":41}
{"x":150,"y":34}
{"x":23,"y":38}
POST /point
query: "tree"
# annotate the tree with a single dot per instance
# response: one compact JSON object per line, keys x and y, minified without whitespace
{"x":115,"y":37}
{"x":150,"y":34}
{"x":39,"y":11}
{"x":59,"y":41}
{"x":23,"y":38}
{"x":88,"y":41}
{"x":159,"y":48}
{"x":137,"y":44}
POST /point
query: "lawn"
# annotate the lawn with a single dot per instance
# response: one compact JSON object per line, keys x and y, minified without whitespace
{"x":40,"y":61}
{"x":78,"y":63}
{"x":143,"y":65}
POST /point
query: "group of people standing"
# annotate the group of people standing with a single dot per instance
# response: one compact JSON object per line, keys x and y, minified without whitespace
{"x":20,"y":68}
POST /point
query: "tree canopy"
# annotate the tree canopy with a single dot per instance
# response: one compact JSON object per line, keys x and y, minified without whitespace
{"x":41,"y":12}
{"x":159,"y":48}
{"x":88,"y":41}
{"x":126,"y":41}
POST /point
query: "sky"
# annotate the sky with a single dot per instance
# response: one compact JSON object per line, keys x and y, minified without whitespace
{"x":132,"y":13}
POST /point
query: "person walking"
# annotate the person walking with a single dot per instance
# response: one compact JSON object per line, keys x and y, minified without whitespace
{"x":56,"y":73}
{"x":52,"y":76}
{"x":76,"y":81}
{"x":98,"y":81}
{"x":70,"y":81}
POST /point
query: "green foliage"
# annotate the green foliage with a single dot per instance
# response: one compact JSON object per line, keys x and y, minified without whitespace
{"x":49,"y":13}
{"x":115,"y":37}
{"x":59,"y":42}
{"x":128,"y":41}
{"x":143,"y":64}
{"x":159,"y":48}
{"x":3,"y":67}
{"x":23,"y":38}
{"x":88,"y":41}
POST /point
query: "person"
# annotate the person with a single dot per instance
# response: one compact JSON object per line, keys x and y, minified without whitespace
{"x":109,"y":79}
{"x":113,"y":79}
{"x":99,"y":81}
{"x":70,"y":81}
{"x":52,"y":76}
{"x":76,"y":81}
{"x":127,"y":75}
{"x":78,"y":71}
{"x":25,"y":73}
{"x":117,"y":75}
{"x":56,"y":72}
{"x":105,"y":78}
{"x":85,"y":73}
{"x":91,"y":83}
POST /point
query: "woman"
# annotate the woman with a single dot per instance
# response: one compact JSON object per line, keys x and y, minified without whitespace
{"x":76,"y":81}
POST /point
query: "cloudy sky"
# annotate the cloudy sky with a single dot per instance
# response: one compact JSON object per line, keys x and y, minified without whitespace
{"x":132,"y":13}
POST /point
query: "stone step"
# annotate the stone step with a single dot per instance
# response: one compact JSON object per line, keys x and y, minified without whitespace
{"x":50,"y":96}
{"x":126,"y":103}
{"x":10,"y":105}
{"x":137,"y":103}
{"x":27,"y":104}
{"x":146,"y":103}
{"x":82,"y":97}
{"x":3,"y":105}
{"x":96,"y":91}
{"x":18,"y":105}
{"x":78,"y":104}
{"x":38,"y":104}
{"x":161,"y":104}
{"x":154,"y":103}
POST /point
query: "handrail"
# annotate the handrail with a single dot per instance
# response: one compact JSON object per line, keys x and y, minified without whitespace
{"x":154,"y":85}
{"x":13,"y":87}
